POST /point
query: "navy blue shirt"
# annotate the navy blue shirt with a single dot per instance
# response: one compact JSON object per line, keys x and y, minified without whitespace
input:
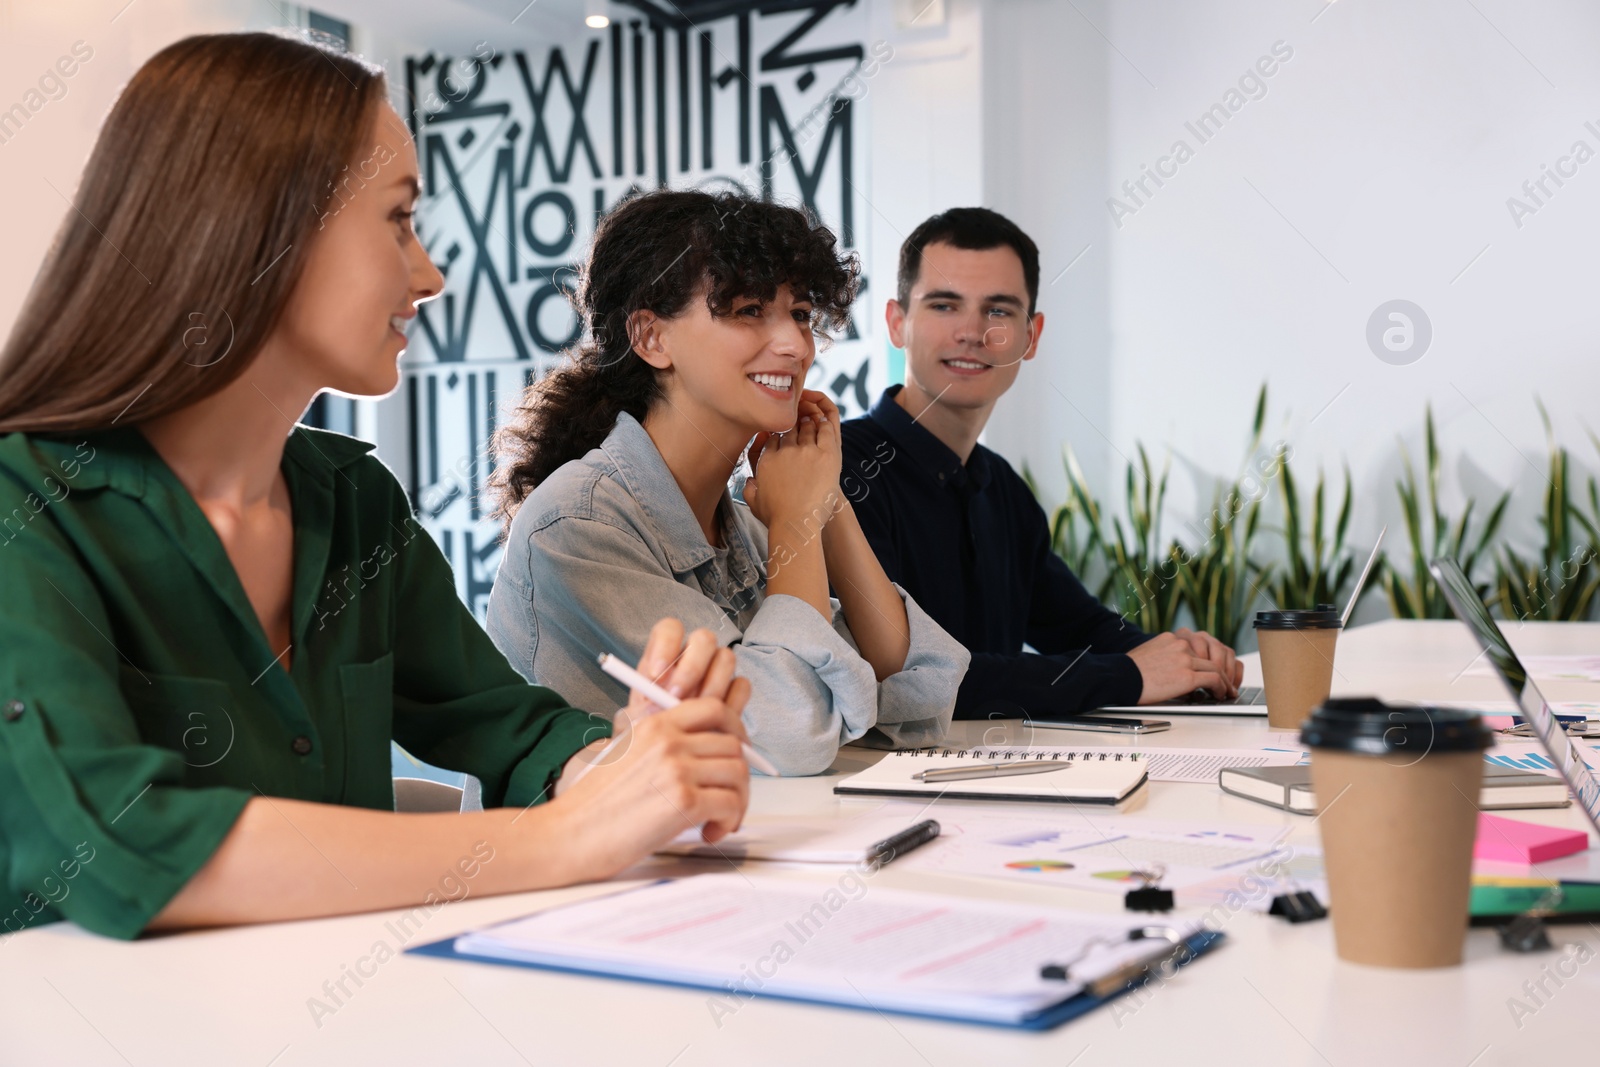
{"x":972,"y":547}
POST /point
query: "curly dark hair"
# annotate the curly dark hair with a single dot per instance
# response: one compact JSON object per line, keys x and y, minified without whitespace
{"x":655,"y":251}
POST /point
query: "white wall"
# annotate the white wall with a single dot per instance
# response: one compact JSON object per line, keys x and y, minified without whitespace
{"x":40,"y":166}
{"x":1377,"y":166}
{"x":1045,"y":146}
{"x":927,"y":117}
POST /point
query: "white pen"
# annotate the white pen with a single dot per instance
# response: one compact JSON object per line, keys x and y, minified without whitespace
{"x":663,"y":700}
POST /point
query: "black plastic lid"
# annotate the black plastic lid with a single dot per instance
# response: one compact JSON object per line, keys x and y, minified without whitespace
{"x":1322,"y":617}
{"x":1368,"y":725}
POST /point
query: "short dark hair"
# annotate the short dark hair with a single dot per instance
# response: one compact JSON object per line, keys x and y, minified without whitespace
{"x":974,"y":229}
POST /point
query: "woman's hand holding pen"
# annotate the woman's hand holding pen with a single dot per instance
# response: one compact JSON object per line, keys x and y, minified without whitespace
{"x":666,"y":770}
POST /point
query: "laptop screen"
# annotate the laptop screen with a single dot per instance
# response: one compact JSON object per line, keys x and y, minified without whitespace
{"x":1470,"y":609}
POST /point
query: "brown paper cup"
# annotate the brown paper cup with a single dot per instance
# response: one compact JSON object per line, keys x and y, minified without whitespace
{"x":1296,"y":671}
{"x":1397,"y":834}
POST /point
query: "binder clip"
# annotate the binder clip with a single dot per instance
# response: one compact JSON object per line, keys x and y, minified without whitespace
{"x":1299,"y":907}
{"x":1526,"y":932}
{"x":1131,"y":972}
{"x":1149,"y":896}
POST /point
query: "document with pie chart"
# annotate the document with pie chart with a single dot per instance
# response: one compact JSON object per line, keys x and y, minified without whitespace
{"x":1108,"y":853}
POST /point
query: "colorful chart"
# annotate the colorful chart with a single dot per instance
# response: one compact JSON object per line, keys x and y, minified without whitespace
{"x":1122,"y":876}
{"x":1039,"y":866}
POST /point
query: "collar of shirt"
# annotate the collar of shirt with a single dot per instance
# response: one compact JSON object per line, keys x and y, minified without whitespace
{"x":933,"y":457}
{"x":650,"y":483}
{"x":122,"y":460}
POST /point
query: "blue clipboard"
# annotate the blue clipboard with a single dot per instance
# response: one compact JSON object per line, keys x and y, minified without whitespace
{"x":1048,"y":1019}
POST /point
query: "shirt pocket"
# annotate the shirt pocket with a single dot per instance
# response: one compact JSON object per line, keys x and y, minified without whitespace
{"x":194,"y":717}
{"x":367,"y":694}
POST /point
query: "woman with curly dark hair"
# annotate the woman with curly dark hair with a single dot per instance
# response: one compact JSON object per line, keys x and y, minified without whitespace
{"x":704,"y":312}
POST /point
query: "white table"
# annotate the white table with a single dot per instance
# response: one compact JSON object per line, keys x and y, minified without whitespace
{"x":1274,"y":994}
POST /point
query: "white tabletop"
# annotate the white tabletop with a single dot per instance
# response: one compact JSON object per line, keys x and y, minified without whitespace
{"x":1273,"y":994}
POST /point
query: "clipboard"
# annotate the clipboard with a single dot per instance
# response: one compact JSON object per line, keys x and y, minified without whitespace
{"x":1049,"y":1019}
{"x":1046,"y":1017}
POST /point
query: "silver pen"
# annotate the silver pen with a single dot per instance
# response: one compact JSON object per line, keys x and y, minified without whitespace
{"x":990,"y":770}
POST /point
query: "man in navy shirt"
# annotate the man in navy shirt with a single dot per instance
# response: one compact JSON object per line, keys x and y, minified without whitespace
{"x":958,"y":529}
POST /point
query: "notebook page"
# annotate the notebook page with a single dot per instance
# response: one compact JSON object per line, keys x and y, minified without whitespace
{"x":1081,"y":778}
{"x":1196,"y":765}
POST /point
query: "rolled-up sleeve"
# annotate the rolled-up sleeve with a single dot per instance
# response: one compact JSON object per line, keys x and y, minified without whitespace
{"x":916,"y":704}
{"x":908,"y":709}
{"x":810,"y":689}
{"x":97,"y":826}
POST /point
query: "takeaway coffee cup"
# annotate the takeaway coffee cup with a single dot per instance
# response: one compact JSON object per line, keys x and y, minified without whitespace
{"x":1296,"y":661}
{"x":1398,"y":793}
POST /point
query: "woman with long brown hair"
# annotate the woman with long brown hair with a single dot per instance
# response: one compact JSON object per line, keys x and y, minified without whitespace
{"x":194,"y":718}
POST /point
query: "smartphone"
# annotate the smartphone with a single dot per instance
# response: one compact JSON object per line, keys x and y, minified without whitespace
{"x":1103,"y":724}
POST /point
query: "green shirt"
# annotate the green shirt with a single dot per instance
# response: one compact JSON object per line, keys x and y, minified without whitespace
{"x":141,"y":706}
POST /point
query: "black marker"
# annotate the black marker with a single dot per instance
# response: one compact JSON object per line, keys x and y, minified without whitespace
{"x":892,"y":848}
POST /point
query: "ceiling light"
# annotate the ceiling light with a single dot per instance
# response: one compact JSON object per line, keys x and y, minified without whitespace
{"x":597,"y":22}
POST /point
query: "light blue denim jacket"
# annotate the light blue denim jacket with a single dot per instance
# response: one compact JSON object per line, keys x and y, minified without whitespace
{"x":607,"y":545}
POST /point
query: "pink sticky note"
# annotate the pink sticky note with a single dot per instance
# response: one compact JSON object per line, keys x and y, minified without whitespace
{"x":1512,"y":841}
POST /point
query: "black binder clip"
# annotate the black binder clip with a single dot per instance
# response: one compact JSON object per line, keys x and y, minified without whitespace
{"x":1299,"y":907}
{"x":1526,"y":932}
{"x":1149,"y":896}
{"x":1163,"y":962}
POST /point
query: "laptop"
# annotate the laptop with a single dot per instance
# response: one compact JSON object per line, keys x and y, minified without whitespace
{"x":1251,"y":701}
{"x":1469,"y":607}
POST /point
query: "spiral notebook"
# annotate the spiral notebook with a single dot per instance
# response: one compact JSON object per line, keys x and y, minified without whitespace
{"x":1092,"y":776}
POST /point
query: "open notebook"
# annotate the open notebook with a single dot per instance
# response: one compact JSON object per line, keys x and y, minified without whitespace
{"x":1091,"y":776}
{"x":833,"y":942}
